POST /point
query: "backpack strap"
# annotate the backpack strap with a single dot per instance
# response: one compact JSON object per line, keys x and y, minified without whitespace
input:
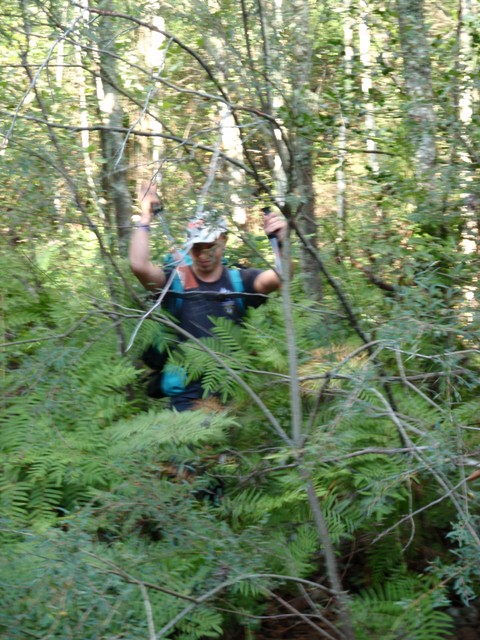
{"x":183,"y":279}
{"x":237,"y":286}
{"x":175,"y":302}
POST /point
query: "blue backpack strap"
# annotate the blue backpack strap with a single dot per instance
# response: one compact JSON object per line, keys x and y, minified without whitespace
{"x":237,"y":285}
{"x":175,"y":302}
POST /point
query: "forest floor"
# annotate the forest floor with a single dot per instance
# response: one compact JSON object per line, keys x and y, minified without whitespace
{"x":284,"y":626}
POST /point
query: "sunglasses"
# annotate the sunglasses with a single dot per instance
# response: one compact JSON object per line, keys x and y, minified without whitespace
{"x":210,"y":250}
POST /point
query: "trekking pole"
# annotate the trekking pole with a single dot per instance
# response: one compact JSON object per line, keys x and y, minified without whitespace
{"x":274,"y":243}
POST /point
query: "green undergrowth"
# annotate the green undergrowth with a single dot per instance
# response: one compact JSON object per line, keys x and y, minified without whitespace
{"x":119,"y":516}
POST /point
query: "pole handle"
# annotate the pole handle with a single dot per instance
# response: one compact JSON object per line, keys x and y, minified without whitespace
{"x":274,"y":243}
{"x":156,"y":208}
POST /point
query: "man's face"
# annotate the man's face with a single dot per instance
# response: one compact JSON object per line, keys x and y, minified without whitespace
{"x":206,"y":256}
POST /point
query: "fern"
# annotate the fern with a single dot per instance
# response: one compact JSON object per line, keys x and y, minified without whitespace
{"x":227,"y":345}
{"x":202,"y":623}
{"x":164,"y":427}
{"x":76,"y":431}
{"x":385,"y":559}
{"x":264,"y":334}
{"x":14,"y":498}
{"x":295,"y":550}
{"x":60,"y":395}
{"x":402,"y":609}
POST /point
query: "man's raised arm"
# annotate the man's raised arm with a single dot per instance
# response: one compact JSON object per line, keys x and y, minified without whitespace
{"x":151,"y":276}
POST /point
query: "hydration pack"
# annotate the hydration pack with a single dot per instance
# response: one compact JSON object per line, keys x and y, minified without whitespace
{"x":168,"y":379}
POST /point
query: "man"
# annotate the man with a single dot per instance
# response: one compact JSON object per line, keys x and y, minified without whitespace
{"x":206,"y":284}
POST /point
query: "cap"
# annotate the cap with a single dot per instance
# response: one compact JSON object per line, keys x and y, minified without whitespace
{"x":206,"y":227}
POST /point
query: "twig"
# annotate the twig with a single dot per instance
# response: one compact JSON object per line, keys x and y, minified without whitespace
{"x":146,"y":134}
{"x":33,"y":80}
{"x":450,"y":492}
{"x":194,"y":602}
{"x":148,"y":611}
{"x":213,"y":166}
{"x":210,"y":594}
{"x":152,"y":309}
{"x":301,"y":615}
{"x":143,"y":111}
{"x":375,"y":451}
{"x":59,"y":336}
{"x":415,"y":513}
{"x":412,"y":386}
{"x":329,"y":555}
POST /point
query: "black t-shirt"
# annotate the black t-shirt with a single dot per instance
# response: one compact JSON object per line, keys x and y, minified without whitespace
{"x":214,"y":299}
{"x":202,"y":303}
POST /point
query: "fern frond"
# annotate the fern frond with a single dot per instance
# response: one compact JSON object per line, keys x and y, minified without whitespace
{"x":467,"y":410}
{"x":406,"y":606}
{"x":294,"y":551}
{"x":165,"y":427}
{"x":14,"y":497}
{"x":202,"y":623}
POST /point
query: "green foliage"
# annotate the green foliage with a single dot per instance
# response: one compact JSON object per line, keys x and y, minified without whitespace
{"x":64,"y":384}
{"x":50,"y":585}
{"x":77,"y":432}
{"x":153,"y":428}
{"x":404,"y":607}
{"x":465,"y":575}
{"x":101,"y":491}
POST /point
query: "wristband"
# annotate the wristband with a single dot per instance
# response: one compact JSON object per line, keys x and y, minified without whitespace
{"x":142,"y":226}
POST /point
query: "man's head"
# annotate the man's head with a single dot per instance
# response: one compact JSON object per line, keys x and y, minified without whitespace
{"x":206,"y":227}
{"x":207,"y":235}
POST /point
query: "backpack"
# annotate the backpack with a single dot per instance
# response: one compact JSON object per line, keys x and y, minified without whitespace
{"x":175,"y":305}
{"x":167,"y":379}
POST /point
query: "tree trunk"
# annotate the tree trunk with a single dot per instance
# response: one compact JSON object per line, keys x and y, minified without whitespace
{"x":418,"y":86}
{"x":343,"y":126}
{"x":305,"y":106}
{"x":367,"y":85}
{"x":112,"y":141}
{"x":231,"y":142}
{"x":465,"y":107}
{"x":148,"y":150}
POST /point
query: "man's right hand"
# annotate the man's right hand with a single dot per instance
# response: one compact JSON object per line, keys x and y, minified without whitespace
{"x":151,"y":276}
{"x":148,"y":199}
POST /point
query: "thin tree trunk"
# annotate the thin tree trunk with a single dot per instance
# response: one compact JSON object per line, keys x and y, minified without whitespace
{"x":148,"y":150}
{"x":305,"y":102}
{"x":85,"y":133}
{"x":113,"y":147}
{"x":306,"y":220}
{"x":418,"y":86}
{"x":231,"y":143}
{"x":298,"y":439}
{"x":343,"y":127}
{"x":466,"y":68}
{"x":367,"y":85}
